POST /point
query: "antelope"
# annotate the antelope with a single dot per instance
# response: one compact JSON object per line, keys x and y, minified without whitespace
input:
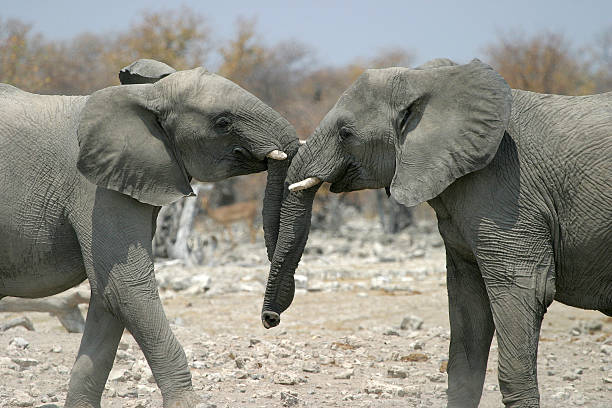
{"x":227,"y":215}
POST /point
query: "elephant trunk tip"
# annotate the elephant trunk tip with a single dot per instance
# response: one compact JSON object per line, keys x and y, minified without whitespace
{"x":270,"y":319}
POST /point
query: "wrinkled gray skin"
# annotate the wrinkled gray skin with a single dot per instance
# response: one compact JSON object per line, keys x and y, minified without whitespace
{"x":136,"y":148}
{"x":520,"y":183}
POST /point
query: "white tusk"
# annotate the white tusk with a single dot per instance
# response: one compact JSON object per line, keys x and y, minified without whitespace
{"x":302,"y":142}
{"x":304,"y":184}
{"x":277,"y":155}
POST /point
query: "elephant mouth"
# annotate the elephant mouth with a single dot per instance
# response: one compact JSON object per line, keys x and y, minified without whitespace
{"x":244,"y":154}
{"x":353,"y":178}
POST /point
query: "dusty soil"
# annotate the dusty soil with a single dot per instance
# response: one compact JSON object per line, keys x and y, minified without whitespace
{"x":339,"y":345}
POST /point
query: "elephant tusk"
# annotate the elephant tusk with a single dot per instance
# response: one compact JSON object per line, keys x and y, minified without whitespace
{"x":304,"y":184}
{"x":277,"y":155}
{"x":302,"y":142}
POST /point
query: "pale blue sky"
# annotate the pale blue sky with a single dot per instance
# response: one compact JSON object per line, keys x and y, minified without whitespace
{"x":339,"y":31}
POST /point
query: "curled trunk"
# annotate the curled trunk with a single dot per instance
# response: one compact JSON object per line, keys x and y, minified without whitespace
{"x":295,"y":214}
{"x":275,"y":193}
{"x":295,"y":217}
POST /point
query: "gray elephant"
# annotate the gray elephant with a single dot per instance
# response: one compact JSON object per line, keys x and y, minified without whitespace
{"x":82,"y":180}
{"x":520,"y":183}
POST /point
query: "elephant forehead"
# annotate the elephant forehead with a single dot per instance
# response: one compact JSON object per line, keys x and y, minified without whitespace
{"x":196,"y":87}
{"x":370,"y":88}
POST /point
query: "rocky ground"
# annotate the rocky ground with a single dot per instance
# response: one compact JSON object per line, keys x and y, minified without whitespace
{"x":368,"y":328}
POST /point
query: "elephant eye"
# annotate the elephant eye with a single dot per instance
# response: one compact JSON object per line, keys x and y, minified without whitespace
{"x":345,"y":133}
{"x":223,"y":123}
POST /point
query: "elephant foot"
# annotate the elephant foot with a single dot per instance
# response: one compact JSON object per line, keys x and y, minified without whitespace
{"x":187,"y":399}
{"x":528,"y":403}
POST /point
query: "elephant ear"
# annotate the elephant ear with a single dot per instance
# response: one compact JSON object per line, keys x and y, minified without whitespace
{"x":453,"y":127}
{"x":122,"y":147}
{"x":144,"y":71}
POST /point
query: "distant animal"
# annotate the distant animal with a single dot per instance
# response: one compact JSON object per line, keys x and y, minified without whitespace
{"x":522,"y":187}
{"x":82,"y":180}
{"x":227,"y":215}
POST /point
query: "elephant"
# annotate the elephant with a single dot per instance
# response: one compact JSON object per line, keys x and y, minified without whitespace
{"x":82,"y":179}
{"x":520,"y":184}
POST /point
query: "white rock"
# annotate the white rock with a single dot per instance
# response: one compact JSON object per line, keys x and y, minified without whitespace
{"x":411,"y":322}
{"x":569,"y":376}
{"x":344,"y":375}
{"x":285,"y":378}
{"x":25,"y":363}
{"x":21,"y":399}
{"x":606,"y":349}
{"x":436,"y":377}
{"x":311,"y":367}
{"x":301,"y":281}
{"x":119,"y":375}
{"x":19,"y":342}
{"x":397,"y":372}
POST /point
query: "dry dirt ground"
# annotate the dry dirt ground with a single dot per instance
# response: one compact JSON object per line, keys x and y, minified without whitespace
{"x":341,"y":344}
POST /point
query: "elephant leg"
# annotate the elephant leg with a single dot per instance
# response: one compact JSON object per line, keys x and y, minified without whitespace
{"x":520,"y":287}
{"x":131,"y":294}
{"x":471,"y":331}
{"x":117,"y":253}
{"x":95,"y":358}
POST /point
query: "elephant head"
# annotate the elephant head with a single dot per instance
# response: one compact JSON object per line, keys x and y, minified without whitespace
{"x":149,"y":138}
{"x":413,"y":130}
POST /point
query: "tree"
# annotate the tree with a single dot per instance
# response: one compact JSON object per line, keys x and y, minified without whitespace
{"x":180,"y":38}
{"x":544,"y":63}
{"x":20,"y":55}
{"x":601,"y":60}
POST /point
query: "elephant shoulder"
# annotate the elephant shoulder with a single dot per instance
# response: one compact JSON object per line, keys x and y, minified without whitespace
{"x":7,"y":90}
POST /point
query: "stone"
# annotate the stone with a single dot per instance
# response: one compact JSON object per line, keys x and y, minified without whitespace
{"x":397,"y":372}
{"x":344,"y":375}
{"x":381,"y":388}
{"x":570,"y":376}
{"x":417,"y":345}
{"x":128,"y":393}
{"x":311,"y":367}
{"x":24,"y":363}
{"x":289,"y":399}
{"x":301,"y":281}
{"x":436,"y":377}
{"x":19,"y":343}
{"x":144,"y":389}
{"x":253,"y":342}
{"x":21,"y":399}
{"x":123,"y":355}
{"x":593,"y":326}
{"x":606,"y":349}
{"x":390,"y":332}
{"x":56,"y":349}
{"x":576,"y":331}
{"x":285,"y":379}
{"x":240,"y":362}
{"x":119,"y":375}
{"x":412,"y":323}
{"x":240,"y":374}
{"x":414,"y":357}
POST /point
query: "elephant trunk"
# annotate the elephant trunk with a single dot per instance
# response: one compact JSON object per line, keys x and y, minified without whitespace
{"x":295,"y":214}
{"x":276,"y":190}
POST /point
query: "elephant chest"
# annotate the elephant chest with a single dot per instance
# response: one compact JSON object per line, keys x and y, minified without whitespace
{"x":584,"y":275}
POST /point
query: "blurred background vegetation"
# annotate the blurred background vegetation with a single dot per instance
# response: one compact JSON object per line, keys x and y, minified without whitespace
{"x":286,"y":75}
